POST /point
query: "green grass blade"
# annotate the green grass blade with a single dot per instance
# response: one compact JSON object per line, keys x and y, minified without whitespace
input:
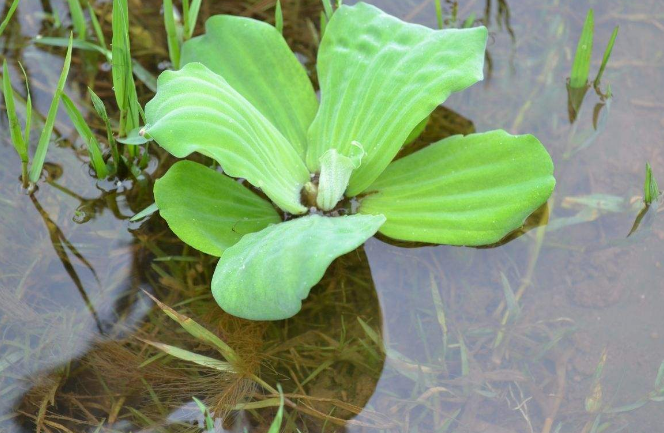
{"x":209,"y":422}
{"x":123,"y":79}
{"x":96,"y":157}
{"x":10,"y":13}
{"x":172,"y":34}
{"x":197,"y":331}
{"x":78,"y":44}
{"x":14,"y":126}
{"x":279,"y":18}
{"x":584,"y":49}
{"x":607,"y":56}
{"x":439,"y":14}
{"x":185,"y":355}
{"x":28,"y":113}
{"x":327,"y":7}
{"x":191,"y":17}
{"x":78,"y":19}
{"x":275,"y":427}
{"x":99,"y":107}
{"x":650,"y":187}
{"x":45,"y":138}
{"x":97,"y":27}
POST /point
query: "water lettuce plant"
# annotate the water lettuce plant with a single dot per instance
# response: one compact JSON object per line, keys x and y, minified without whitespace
{"x":317,"y":178}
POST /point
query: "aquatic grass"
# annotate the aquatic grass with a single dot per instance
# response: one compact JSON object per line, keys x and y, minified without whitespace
{"x":439,"y":13}
{"x":99,"y":33}
{"x":607,"y":56}
{"x":17,"y":136}
{"x":190,"y":13}
{"x":8,"y":17}
{"x":171,"y":34}
{"x":45,"y":138}
{"x":100,"y":108}
{"x":279,"y":17}
{"x":650,"y":188}
{"x":581,"y":66}
{"x":123,"y":77}
{"x":78,"y":19}
{"x":94,"y":148}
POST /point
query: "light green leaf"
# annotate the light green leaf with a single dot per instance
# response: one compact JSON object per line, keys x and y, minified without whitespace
{"x":470,"y":190}
{"x":255,"y":60}
{"x":267,"y":274}
{"x":208,"y":210}
{"x":335,"y":172}
{"x":196,"y":110}
{"x":381,"y":77}
{"x":185,"y":355}
{"x":49,"y":124}
{"x":584,"y":49}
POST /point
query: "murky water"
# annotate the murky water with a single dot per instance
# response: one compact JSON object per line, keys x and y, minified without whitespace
{"x":394,"y":338}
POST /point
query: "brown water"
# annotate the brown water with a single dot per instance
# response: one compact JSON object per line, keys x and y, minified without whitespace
{"x":72,"y":266}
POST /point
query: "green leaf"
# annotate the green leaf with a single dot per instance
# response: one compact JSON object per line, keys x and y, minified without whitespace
{"x":275,"y":427}
{"x":255,"y":60}
{"x":45,"y":137}
{"x":123,"y":78}
{"x":14,"y":125}
{"x":381,"y":77}
{"x":9,"y":15}
{"x":650,"y":187}
{"x":185,"y":355}
{"x":94,"y":148}
{"x":77,"y":18}
{"x":584,"y":51}
{"x":607,"y":56}
{"x":463,"y":190}
{"x":334,"y":175}
{"x":196,"y":110}
{"x":267,"y":274}
{"x":171,"y":34}
{"x":209,"y":210}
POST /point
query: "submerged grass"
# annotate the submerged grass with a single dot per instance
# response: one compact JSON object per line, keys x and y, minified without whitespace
{"x":8,"y":17}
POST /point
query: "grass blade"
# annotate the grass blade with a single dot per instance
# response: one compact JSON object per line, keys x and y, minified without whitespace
{"x":10,"y":13}
{"x":14,"y":124}
{"x":28,"y":115}
{"x":275,"y":427}
{"x":279,"y":18}
{"x":327,"y":7}
{"x":650,"y":187}
{"x":77,"y":18}
{"x":172,"y":34}
{"x":97,"y":27}
{"x":191,"y":17}
{"x":98,"y":104}
{"x":439,"y":14}
{"x":584,"y":49}
{"x":209,"y":422}
{"x":94,"y":149}
{"x":185,"y":355}
{"x":607,"y":56}
{"x":123,"y":79}
{"x":197,"y":331}
{"x":45,"y":138}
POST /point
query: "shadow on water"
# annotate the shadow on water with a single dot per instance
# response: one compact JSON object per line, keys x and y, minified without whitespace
{"x":395,"y":337}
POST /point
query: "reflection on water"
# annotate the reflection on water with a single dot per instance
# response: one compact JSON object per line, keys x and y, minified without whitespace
{"x":503,"y":339}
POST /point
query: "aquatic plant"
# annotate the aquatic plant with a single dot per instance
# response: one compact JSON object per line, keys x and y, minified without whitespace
{"x":243,"y":99}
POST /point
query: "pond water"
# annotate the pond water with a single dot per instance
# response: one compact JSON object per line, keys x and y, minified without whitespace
{"x":395,"y":338}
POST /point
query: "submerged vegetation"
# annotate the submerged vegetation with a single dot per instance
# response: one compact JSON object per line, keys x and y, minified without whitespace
{"x":508,"y":339}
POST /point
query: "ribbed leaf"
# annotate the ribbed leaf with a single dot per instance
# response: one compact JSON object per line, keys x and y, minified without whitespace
{"x":470,"y":190}
{"x":196,"y":110}
{"x":381,"y":77}
{"x":267,"y":274}
{"x":256,"y":61}
{"x":208,"y":210}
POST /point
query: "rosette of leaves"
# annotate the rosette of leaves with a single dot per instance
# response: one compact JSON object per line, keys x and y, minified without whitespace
{"x":243,"y":99}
